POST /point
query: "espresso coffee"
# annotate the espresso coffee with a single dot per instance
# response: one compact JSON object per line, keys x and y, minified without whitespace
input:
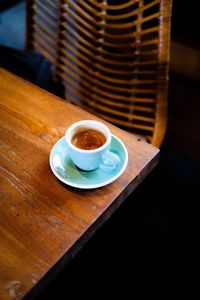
{"x":88,"y":139}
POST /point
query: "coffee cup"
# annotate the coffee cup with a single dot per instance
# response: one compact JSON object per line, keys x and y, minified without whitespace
{"x":87,"y":142}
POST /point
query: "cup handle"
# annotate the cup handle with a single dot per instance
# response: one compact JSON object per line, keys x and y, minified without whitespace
{"x":109,"y":161}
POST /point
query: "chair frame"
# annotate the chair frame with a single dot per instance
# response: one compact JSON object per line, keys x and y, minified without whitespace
{"x":56,"y":46}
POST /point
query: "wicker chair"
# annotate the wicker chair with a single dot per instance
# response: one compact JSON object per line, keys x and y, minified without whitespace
{"x":112,"y":57}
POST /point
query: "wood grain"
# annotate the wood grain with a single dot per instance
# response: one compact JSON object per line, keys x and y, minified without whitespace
{"x":43,"y":223}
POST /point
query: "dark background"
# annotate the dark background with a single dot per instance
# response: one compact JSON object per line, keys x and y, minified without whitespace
{"x":150,"y":247}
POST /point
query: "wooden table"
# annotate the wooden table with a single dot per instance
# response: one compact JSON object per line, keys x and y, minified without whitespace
{"x":44,"y":223}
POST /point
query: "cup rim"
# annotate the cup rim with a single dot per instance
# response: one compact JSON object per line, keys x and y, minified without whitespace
{"x":87,"y":122}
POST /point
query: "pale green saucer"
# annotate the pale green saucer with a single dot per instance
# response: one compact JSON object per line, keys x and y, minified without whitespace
{"x":65,"y":170}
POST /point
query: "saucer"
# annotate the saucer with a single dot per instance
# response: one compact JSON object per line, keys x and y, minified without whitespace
{"x":65,"y":170}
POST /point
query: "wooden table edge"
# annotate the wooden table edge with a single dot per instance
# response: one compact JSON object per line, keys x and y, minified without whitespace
{"x":77,"y":246}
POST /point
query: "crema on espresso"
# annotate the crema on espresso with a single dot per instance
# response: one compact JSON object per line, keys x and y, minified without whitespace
{"x":88,"y":139}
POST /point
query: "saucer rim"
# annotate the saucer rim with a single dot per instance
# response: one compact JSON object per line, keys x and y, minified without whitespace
{"x":91,"y":186}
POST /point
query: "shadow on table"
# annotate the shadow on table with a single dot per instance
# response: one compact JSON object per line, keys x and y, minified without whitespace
{"x":148,"y":248}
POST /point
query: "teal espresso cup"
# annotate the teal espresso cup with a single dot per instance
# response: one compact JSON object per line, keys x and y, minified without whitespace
{"x":87,"y":143}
